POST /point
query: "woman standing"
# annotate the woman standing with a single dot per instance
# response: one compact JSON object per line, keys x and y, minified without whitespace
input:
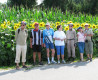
{"x":60,"y":37}
{"x":81,"y":42}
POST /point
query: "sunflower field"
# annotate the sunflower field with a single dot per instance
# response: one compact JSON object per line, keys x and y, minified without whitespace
{"x":10,"y":20}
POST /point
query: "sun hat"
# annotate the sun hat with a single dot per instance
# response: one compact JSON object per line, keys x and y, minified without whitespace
{"x":86,"y":24}
{"x":71,"y":24}
{"x":23,"y":22}
{"x":36,"y":24}
{"x":79,"y":28}
{"x":48,"y":23}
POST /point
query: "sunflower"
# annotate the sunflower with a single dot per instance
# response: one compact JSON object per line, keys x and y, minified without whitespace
{"x":83,"y":24}
{"x":97,"y":26}
{"x":51,"y":26}
{"x":3,"y":26}
{"x":8,"y":22}
{"x":32,"y":25}
{"x":77,"y":25}
{"x":56,"y":26}
{"x":15,"y":27}
{"x":64,"y":20}
{"x":4,"y":22}
{"x":69,"y":22}
{"x":94,"y":26}
{"x":57,"y":23}
{"x":42,"y":24}
{"x":17,"y":24}
{"x":74,"y":25}
{"x":89,"y":25}
{"x":62,"y":23}
{"x":66,"y":28}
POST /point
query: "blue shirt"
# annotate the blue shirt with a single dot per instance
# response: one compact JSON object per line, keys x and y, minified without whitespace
{"x":49,"y":33}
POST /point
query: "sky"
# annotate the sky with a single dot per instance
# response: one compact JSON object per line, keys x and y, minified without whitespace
{"x":38,"y":1}
{"x":3,"y":1}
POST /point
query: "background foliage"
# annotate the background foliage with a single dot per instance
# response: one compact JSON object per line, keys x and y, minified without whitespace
{"x":10,"y":20}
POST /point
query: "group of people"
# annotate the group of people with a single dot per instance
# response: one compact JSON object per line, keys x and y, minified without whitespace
{"x":45,"y":38}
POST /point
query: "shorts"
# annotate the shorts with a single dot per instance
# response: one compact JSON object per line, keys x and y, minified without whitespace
{"x":60,"y":49}
{"x":81,"y":46}
{"x":36,"y":48}
{"x":49,"y":45}
{"x":89,"y":47}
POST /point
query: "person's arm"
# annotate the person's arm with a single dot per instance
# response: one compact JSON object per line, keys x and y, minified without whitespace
{"x":55,"y":36}
{"x":42,"y":39}
{"x":52,"y":33}
{"x":16,"y":34}
{"x":75,"y":36}
{"x":43,"y":36}
{"x":31,"y":40}
{"x":57,"y":39}
{"x":91,"y":33}
{"x":26,"y":34}
{"x":66,"y":37}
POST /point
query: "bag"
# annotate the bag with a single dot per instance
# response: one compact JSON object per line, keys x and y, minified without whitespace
{"x":19,"y":31}
{"x":86,"y":41}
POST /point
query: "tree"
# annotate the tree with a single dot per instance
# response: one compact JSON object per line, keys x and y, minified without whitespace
{"x":55,"y":3}
{"x":25,"y":3}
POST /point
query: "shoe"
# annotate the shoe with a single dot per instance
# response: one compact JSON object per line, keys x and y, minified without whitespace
{"x":24,"y":66}
{"x":90,"y":59}
{"x":40,"y":63}
{"x":34,"y":63}
{"x":17,"y":67}
{"x":54,"y":62}
{"x":82,"y":60}
{"x":58,"y":61}
{"x":63,"y":61}
{"x":87,"y":59}
{"x":48,"y":62}
{"x":69,"y":59}
{"x":73,"y":59}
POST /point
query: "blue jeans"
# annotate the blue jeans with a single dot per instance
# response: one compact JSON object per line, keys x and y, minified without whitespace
{"x":81,"y":46}
{"x":49,"y":45}
{"x":60,"y":49}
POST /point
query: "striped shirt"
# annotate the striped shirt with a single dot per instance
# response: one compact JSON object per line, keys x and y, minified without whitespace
{"x":36,"y":37}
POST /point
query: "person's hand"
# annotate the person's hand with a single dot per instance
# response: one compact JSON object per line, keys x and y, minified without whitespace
{"x":58,"y":39}
{"x":44,"y":45}
{"x":30,"y":45}
{"x":85,"y":34}
{"x":75,"y":44}
{"x":62,"y":39}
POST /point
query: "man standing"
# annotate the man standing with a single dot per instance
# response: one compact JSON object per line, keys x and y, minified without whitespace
{"x":36,"y":42}
{"x":88,"y":42}
{"x":21,"y":46}
{"x":48,"y":42}
{"x":71,"y":42}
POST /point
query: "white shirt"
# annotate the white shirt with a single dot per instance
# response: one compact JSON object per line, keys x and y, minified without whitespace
{"x":81,"y":37}
{"x":61,"y":35}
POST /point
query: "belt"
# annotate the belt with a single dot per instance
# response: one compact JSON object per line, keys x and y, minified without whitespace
{"x":70,"y":39}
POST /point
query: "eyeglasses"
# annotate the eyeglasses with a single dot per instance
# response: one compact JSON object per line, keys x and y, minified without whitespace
{"x":36,"y":25}
{"x":22,"y":25}
{"x":70,"y":26}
